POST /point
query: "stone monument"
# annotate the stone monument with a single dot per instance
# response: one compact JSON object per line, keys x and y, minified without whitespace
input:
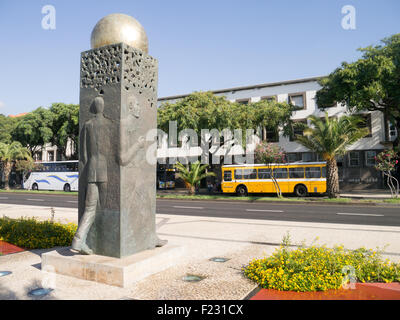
{"x":117,"y":185}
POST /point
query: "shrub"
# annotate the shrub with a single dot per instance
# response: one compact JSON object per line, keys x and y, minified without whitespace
{"x":318,"y":268}
{"x":30,"y":233}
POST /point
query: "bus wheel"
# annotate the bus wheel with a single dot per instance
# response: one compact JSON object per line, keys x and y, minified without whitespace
{"x":35,"y":186}
{"x":241,"y":191}
{"x":67,"y":187}
{"x":300,"y":190}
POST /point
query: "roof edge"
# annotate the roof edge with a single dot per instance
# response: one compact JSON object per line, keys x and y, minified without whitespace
{"x":263,"y":85}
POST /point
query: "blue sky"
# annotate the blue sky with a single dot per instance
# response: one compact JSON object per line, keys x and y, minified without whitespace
{"x":200,"y":45}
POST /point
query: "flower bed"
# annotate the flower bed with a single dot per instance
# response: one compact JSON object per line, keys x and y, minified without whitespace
{"x":31,"y":233}
{"x":318,"y":268}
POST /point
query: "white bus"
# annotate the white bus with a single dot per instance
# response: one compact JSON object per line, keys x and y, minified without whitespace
{"x":57,"y":176}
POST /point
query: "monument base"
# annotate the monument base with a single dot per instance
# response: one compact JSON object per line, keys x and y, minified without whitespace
{"x":113,"y":271}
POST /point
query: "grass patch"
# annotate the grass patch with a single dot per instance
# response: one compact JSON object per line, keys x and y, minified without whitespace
{"x":393,"y":200}
{"x":39,"y":192}
{"x":318,"y":268}
{"x":276,"y":199}
{"x":30,"y":233}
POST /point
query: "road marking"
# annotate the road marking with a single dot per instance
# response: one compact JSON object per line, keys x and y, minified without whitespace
{"x":182,"y":207}
{"x":360,"y":214}
{"x":263,"y":210}
{"x":35,"y":199}
{"x":73,"y":201}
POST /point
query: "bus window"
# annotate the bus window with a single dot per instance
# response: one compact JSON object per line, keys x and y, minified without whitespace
{"x":238,"y":174}
{"x":323,"y":169}
{"x":249,"y":174}
{"x":296,"y":173}
{"x":280,"y":173}
{"x":264,"y":173}
{"x":227,"y":175}
{"x":313,"y":172}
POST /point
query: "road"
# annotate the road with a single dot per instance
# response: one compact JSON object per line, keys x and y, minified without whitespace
{"x":300,"y":212}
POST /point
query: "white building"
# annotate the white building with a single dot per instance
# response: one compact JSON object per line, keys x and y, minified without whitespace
{"x":356,"y":169}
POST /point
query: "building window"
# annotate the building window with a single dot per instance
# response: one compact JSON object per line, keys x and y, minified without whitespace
{"x":50,"y":155}
{"x":367,"y":124}
{"x":37,"y":156}
{"x":298,"y":128}
{"x":292,"y":157}
{"x":392,"y":131}
{"x":354,"y":159}
{"x":370,"y":158}
{"x":306,"y":156}
{"x":298,"y":100}
{"x":339,"y":161}
{"x":319,"y":157}
{"x":269,"y":98}
{"x":243,"y":101}
{"x":272,"y":135}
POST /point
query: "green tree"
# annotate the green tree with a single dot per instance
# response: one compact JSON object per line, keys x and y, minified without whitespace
{"x":371,"y":83}
{"x":193,"y":174}
{"x":65,"y":127}
{"x":269,"y":154}
{"x":6,"y":127}
{"x":204,"y":110}
{"x":9,"y":154}
{"x":330,"y":137}
{"x":33,"y":130}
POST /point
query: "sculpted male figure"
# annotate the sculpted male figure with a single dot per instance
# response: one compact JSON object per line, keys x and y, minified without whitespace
{"x":129,"y":152}
{"x":95,"y":162}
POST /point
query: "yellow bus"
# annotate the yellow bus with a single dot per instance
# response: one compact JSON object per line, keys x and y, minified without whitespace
{"x":299,"y":178}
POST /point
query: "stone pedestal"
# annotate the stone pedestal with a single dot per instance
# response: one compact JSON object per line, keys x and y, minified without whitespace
{"x":113,"y":149}
{"x":121,"y":272}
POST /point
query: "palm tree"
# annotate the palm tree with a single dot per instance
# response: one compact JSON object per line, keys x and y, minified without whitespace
{"x":193,"y":174}
{"x":329,"y":137}
{"x":10,"y":153}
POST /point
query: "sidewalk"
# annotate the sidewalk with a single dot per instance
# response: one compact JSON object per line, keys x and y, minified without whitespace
{"x":238,"y":240}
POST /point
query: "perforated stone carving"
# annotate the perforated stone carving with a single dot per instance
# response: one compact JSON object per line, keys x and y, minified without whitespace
{"x":103,"y":66}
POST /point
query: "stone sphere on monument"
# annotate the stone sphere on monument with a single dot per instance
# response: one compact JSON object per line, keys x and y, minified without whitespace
{"x":116,"y":28}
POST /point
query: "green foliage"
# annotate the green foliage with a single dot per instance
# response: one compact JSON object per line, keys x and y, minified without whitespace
{"x":204,"y":110}
{"x":55,"y":125}
{"x":12,"y":152}
{"x":318,"y":268}
{"x":30,"y":233}
{"x":371,"y":83}
{"x":33,"y":130}
{"x":330,"y":137}
{"x":193,"y":174}
{"x":6,"y":127}
{"x":65,"y":125}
